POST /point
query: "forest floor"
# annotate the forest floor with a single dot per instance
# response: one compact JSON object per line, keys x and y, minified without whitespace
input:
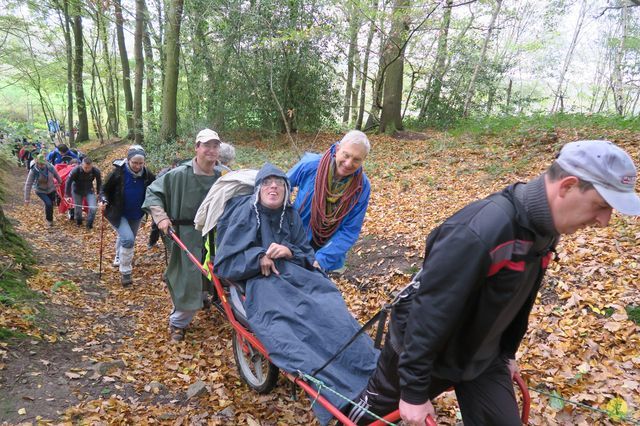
{"x":95,"y":352}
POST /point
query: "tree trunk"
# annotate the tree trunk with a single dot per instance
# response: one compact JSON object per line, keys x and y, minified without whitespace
{"x":356,"y":87}
{"x":110,"y":104}
{"x":431,"y":99}
{"x":69,"y":49}
{"x":559,"y":93}
{"x":354,"y":26}
{"x":94,"y":98}
{"x":618,"y":57}
{"x":126,"y":73}
{"x":391,"y":117}
{"x":480,"y":63}
{"x":137,"y":101}
{"x":365,"y":67}
{"x":172,"y":64}
{"x":78,"y":63}
{"x":148,"y":62}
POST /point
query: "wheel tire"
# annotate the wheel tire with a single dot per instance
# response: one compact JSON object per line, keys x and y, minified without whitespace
{"x":259,"y":373}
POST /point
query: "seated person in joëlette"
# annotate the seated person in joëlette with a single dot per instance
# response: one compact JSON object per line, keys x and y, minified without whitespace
{"x":293,"y":308}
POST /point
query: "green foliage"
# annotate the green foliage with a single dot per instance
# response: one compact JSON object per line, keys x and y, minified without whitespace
{"x":64,"y":284}
{"x":259,"y":61}
{"x":634,"y":313}
{"x":6,"y":334}
{"x":517,"y":126}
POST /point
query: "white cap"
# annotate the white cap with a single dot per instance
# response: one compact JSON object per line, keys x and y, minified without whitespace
{"x":207,"y":135}
{"x":608,"y":167}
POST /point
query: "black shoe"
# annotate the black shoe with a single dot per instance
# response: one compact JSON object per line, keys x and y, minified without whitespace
{"x":79,"y":222}
{"x":89,"y":225}
{"x":126,"y":280}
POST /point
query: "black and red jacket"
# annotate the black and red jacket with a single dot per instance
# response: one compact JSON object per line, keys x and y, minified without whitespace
{"x":482,"y":270}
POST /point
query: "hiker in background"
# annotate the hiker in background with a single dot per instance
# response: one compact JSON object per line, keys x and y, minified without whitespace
{"x":226,"y":156}
{"x":462,"y":320}
{"x":80,"y":185}
{"x":43,"y":178}
{"x":333,"y":195}
{"x":122,"y":197}
{"x":154,"y":235}
{"x":61,"y":154}
{"x":173,"y":201}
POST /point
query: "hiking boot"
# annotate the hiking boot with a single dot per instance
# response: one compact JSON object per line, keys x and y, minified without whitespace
{"x":50,"y":223}
{"x":79,"y":222}
{"x":126,"y":280}
{"x":89,"y":225}
{"x":116,"y":260}
{"x":176,"y":334}
{"x":206,"y":303}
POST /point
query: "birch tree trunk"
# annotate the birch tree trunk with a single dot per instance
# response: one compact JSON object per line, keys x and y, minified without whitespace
{"x":480,"y":63}
{"x":559,"y":92}
{"x":618,"y":57}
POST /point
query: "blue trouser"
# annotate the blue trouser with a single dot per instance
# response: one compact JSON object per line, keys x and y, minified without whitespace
{"x":48,"y":200}
{"x":77,"y":209}
{"x":127,"y":230}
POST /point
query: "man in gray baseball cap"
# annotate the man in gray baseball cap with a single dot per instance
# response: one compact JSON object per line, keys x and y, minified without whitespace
{"x":608,"y":168}
{"x":463,"y":317}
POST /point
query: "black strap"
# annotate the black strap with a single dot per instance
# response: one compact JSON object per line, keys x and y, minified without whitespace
{"x":380,"y":317}
{"x":182,"y":222}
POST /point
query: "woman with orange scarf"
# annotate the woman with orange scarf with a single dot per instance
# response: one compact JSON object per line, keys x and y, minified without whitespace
{"x":333,"y":195}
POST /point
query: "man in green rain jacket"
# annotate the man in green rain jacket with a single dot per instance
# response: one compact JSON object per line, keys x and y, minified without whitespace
{"x":173,"y":201}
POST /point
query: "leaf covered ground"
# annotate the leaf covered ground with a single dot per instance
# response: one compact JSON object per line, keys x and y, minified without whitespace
{"x":104,"y":357}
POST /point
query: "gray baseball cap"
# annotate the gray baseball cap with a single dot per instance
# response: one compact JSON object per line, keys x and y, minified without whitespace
{"x":609,"y":168}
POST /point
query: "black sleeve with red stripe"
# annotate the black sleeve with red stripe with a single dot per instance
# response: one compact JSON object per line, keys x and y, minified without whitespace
{"x":455,"y":263}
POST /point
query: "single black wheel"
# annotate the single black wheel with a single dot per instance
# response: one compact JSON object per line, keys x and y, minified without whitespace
{"x":254,"y":368}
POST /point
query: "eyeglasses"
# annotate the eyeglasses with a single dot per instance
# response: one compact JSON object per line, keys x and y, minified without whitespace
{"x":279,"y":182}
{"x":210,"y":145}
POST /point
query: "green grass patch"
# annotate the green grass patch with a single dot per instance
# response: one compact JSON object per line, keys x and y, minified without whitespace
{"x":516,"y":128}
{"x":6,"y":334}
{"x":16,"y":260}
{"x":634,"y":313}
{"x":65,"y":284}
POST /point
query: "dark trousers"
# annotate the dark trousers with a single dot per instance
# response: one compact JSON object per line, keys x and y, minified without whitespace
{"x":48,"y":200}
{"x":489,"y":399}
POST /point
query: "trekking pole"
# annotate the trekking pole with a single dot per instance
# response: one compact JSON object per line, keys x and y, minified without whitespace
{"x":172,"y":233}
{"x":101,"y":239}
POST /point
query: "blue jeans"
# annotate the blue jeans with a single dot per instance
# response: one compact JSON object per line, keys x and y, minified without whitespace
{"x":91,"y":202}
{"x":48,"y":200}
{"x":127,"y":230}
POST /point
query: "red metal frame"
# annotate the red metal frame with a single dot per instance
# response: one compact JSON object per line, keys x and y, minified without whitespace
{"x":313,"y":394}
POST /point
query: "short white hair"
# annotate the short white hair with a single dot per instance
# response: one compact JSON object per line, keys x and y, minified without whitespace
{"x":226,"y":154}
{"x":356,"y":137}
